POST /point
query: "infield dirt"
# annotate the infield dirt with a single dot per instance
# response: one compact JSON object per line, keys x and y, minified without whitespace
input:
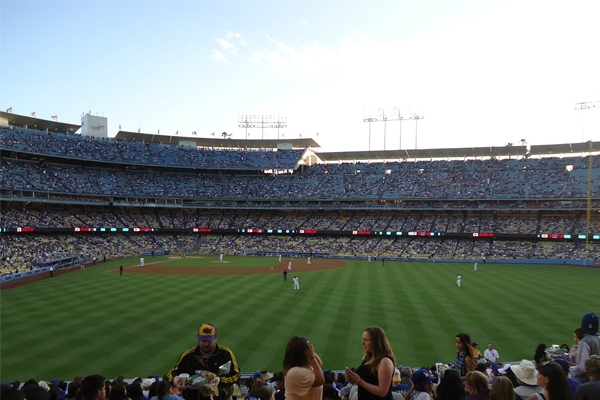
{"x":316,"y":265}
{"x":158,"y":269}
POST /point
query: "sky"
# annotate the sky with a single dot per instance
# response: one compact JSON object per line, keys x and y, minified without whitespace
{"x":476,"y":73}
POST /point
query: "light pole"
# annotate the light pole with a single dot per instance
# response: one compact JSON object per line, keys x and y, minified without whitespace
{"x":416,"y":118}
{"x":384,"y":128}
{"x":391,"y":115}
{"x":586,"y":106}
{"x":264,"y":121}
{"x":369,"y":118}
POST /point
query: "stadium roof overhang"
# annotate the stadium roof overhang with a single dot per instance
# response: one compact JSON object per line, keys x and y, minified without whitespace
{"x":567,"y":148}
{"x":216,"y":142}
{"x":23,"y":121}
{"x":464,"y":152}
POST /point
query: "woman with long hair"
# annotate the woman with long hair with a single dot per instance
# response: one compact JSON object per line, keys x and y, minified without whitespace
{"x":465,"y":360}
{"x":376,"y":370}
{"x":476,"y":385}
{"x":552,"y":378}
{"x":451,"y":387}
{"x":302,"y":371}
{"x":502,"y":389}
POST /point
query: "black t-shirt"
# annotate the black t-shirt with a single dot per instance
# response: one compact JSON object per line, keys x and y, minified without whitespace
{"x":364,"y":371}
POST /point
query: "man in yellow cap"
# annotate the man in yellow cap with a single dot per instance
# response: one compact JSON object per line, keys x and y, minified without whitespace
{"x":207,"y":356}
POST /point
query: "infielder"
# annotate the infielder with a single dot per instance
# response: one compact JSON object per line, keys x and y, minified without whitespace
{"x":296,"y":283}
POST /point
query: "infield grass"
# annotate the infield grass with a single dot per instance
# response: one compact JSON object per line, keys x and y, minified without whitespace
{"x":95,"y":321}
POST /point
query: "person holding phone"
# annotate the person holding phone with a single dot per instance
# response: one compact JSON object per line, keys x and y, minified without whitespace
{"x":376,"y":370}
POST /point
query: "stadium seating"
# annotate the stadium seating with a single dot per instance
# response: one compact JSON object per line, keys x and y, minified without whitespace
{"x":109,"y":183}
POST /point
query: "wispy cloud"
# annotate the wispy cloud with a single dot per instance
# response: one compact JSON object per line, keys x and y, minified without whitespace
{"x":217,"y":55}
{"x":229,"y":45}
{"x":236,"y":36}
{"x":225,"y":44}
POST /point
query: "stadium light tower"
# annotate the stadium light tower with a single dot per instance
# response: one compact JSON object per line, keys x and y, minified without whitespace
{"x":416,"y":117}
{"x":397,"y":116}
{"x":587,"y":105}
{"x":262,"y":121}
{"x":370,"y":117}
{"x":393,"y":114}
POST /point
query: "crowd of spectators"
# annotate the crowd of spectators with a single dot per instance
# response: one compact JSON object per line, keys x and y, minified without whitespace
{"x":501,"y":222}
{"x":441,"y":195}
{"x":140,"y":153}
{"x":27,"y":250}
{"x":332,"y":183}
{"x":128,"y":173}
{"x":552,"y":375}
{"x":23,"y":252}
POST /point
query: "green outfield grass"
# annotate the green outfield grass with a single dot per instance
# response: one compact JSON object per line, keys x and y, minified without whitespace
{"x":96,"y":321}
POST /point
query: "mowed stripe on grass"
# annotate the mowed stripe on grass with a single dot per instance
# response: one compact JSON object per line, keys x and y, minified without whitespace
{"x":96,"y":321}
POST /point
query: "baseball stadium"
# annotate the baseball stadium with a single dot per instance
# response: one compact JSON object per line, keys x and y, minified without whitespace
{"x":115,"y":250}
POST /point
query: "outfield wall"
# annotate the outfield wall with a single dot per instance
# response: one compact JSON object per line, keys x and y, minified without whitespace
{"x":553,"y":261}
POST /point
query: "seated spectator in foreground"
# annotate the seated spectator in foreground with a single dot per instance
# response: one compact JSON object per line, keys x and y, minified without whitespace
{"x":451,"y":387}
{"x":135,"y":392}
{"x":526,"y":375}
{"x":573,"y":384}
{"x":93,"y":388}
{"x":163,"y":391}
{"x":540,"y":355}
{"x":264,"y":392}
{"x":35,"y":392}
{"x":118,"y":392}
{"x":10,"y":393}
{"x":146,"y":383}
{"x":577,"y":336}
{"x":422,"y":385}
{"x":279,"y":386}
{"x":476,"y":385}
{"x":62,"y":386}
{"x":554,"y":381}
{"x":330,"y":392}
{"x":72,"y":390}
{"x":591,"y":389}
{"x":405,"y":374}
{"x":256,"y":384}
{"x":340,"y":382}
{"x":330,"y":378}
{"x":502,"y":389}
